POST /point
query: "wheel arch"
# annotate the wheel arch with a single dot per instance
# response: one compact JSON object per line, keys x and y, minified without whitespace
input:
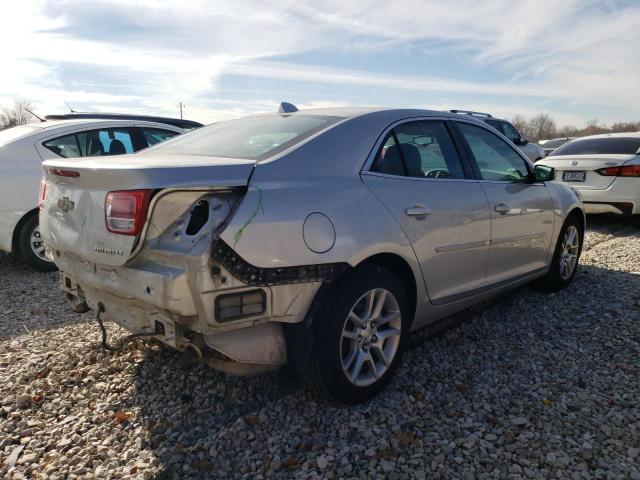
{"x":15,"y":239}
{"x":402,"y":270}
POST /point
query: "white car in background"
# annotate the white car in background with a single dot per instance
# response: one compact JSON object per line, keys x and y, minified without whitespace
{"x":22,"y":150}
{"x":605,"y":169}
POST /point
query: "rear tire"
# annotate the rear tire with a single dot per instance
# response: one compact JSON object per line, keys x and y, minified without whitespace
{"x":357,"y":337}
{"x":31,"y":246}
{"x":566,"y":256}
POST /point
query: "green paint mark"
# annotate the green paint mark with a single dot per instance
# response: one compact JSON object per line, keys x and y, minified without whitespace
{"x":254,"y":213}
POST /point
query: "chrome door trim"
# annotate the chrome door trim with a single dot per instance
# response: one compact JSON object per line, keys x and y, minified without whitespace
{"x":498,"y":241}
{"x":462,"y":246}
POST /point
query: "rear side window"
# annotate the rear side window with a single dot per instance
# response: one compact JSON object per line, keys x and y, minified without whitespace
{"x":93,"y":143}
{"x":251,"y":138}
{"x":419,"y":149}
{"x":67,"y":146}
{"x":156,"y":135}
{"x":495,"y":158}
{"x":600,"y":146}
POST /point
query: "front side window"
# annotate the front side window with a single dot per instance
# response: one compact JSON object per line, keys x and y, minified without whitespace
{"x":496,"y":160}
{"x":251,"y":138}
{"x":421,"y":149}
{"x":600,"y":146}
{"x":156,"y":135}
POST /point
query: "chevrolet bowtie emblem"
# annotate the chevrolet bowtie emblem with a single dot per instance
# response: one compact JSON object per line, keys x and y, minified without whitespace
{"x":65,"y":204}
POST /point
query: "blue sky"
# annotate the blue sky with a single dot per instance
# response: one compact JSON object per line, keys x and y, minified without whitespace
{"x":576,"y":60}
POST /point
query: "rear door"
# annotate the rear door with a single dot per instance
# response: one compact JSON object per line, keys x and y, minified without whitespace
{"x":419,"y":176}
{"x":522,"y":214}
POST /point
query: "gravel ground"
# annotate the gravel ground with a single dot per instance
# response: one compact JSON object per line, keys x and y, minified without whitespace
{"x":528,"y":385}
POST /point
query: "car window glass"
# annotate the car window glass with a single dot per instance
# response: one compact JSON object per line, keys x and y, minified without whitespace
{"x":509,"y":131}
{"x":66,"y":146}
{"x":156,"y":135}
{"x":496,"y":160}
{"x":423,"y":149}
{"x":600,"y":146}
{"x":256,"y":138}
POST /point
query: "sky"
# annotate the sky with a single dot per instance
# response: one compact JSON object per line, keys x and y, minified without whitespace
{"x":576,"y":60}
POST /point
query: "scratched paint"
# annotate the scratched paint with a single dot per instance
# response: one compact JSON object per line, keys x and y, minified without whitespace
{"x":257,"y":209}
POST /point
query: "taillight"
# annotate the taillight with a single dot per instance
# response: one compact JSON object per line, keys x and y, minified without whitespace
{"x":42,"y":194}
{"x":125,"y":211}
{"x":623,"y":171}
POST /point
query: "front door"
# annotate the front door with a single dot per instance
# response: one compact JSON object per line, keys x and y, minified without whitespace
{"x":521,"y":210}
{"x":419,"y":176}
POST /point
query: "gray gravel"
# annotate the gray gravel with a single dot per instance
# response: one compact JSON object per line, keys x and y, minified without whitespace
{"x":528,"y":385}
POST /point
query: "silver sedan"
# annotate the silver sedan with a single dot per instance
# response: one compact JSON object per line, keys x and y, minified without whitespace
{"x":320,"y":238}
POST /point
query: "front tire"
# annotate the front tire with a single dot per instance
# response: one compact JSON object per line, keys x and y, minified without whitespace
{"x":358,"y":336}
{"x":564,"y":264}
{"x":31,"y":246}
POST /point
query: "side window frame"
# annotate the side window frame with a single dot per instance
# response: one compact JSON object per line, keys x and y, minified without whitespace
{"x":467,"y":165}
{"x":472,"y":159}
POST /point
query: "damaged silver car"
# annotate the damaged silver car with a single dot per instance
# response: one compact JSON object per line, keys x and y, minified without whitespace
{"x":319,"y":238}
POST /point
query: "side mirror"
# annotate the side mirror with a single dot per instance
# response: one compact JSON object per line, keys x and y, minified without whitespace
{"x":542,"y":173}
{"x":521,"y":142}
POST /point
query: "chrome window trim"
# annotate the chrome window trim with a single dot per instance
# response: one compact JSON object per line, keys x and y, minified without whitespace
{"x":419,"y":179}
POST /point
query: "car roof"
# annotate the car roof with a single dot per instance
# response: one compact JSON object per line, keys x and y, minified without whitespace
{"x":611,"y":135}
{"x":176,"y":122}
{"x":53,"y":124}
{"x":352,"y":112}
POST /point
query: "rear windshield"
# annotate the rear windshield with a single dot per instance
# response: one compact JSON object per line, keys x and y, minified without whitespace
{"x":556,"y":142}
{"x":599,"y":146}
{"x":252,"y":138}
{"x":11,"y":134}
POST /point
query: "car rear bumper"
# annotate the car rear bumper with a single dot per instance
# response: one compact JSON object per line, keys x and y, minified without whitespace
{"x":621,"y":197}
{"x":179,"y":304}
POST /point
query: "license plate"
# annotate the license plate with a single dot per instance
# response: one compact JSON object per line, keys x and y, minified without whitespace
{"x":574,"y":176}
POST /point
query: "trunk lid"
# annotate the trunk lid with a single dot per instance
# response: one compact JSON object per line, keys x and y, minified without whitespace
{"x":588,"y":164}
{"x":73,"y":212}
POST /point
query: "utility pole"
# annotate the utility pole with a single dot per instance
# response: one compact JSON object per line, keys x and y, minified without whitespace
{"x":181,"y":106}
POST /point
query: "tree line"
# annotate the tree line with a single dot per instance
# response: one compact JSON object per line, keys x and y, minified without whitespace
{"x":536,"y":128}
{"x":16,"y":114}
{"x":543,"y":127}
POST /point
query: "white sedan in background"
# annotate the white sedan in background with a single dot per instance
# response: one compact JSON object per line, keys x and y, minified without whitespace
{"x":22,"y":150}
{"x":605,"y":169}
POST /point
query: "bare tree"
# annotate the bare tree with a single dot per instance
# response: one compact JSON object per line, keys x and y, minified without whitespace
{"x":520,"y":123}
{"x":542,"y":126}
{"x":16,"y":114}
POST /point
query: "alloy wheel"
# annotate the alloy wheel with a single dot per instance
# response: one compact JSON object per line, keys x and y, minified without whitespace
{"x":37,"y":244}
{"x":569,"y":255}
{"x":370,"y":337}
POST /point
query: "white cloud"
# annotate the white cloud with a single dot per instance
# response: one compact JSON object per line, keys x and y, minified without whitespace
{"x":581,"y":53}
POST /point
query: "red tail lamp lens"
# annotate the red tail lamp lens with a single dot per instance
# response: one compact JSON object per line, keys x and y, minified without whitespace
{"x":126,"y":211}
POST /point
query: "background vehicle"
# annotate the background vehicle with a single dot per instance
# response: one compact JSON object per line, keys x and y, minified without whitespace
{"x":605,"y":169}
{"x":553,"y":144}
{"x":320,"y":238}
{"x":23,"y":148}
{"x":531,"y":150}
{"x":175,"y":122}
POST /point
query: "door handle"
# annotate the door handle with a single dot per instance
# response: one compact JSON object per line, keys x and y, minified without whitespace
{"x":417,"y":211}
{"x":502,"y":208}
